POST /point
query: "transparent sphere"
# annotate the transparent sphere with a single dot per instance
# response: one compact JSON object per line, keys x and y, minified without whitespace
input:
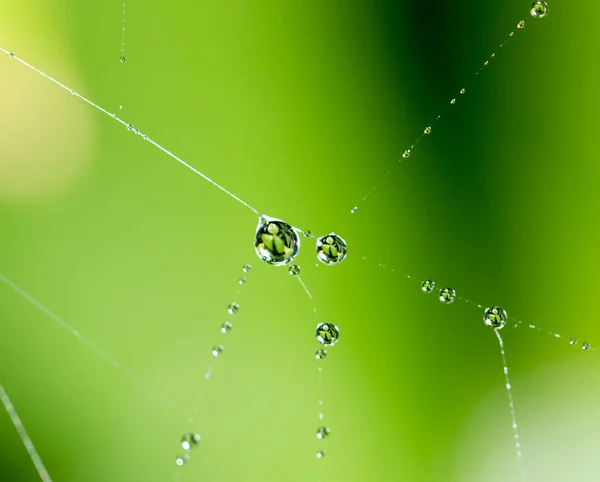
{"x":427,"y":286}
{"x":294,"y":270}
{"x":322,"y":433}
{"x":447,"y":295}
{"x":406,"y":153}
{"x":427,"y":130}
{"x":331,"y":249}
{"x":246,"y":268}
{"x":585,"y":346}
{"x":521,"y":24}
{"x":275,"y":241}
{"x":189,"y":440}
{"x":320,"y":354}
{"x":233,"y":308}
{"x":226,"y":327}
{"x":122,"y":59}
{"x":495,"y":317}
{"x":217,"y":350}
{"x":307,"y":234}
{"x":320,"y":454}
{"x":181,"y":460}
{"x":327,"y":334}
{"x":539,"y":9}
{"x":573,"y":341}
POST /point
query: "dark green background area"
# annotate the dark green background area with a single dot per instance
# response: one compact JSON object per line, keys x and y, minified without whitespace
{"x":300,"y":109}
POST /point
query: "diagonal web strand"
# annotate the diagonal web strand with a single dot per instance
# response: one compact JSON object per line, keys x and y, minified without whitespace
{"x":31,"y":450}
{"x":131,"y":128}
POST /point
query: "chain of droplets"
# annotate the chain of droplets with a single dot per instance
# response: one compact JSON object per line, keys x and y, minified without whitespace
{"x":122,"y":58}
{"x":190,"y":440}
{"x":428,"y":129}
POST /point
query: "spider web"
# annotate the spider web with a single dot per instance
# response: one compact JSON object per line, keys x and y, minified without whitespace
{"x":143,"y":257}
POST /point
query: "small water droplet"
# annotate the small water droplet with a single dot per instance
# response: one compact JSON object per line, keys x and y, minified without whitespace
{"x":307,"y":234}
{"x":242,"y":280}
{"x":521,"y":24}
{"x":486,"y":63}
{"x":353,"y":210}
{"x":508,"y":386}
{"x":294,"y":270}
{"x":321,"y":454}
{"x":495,"y":317}
{"x":447,"y":295}
{"x":226,"y":327}
{"x":233,"y":308}
{"x":573,"y":341}
{"x":321,"y":402}
{"x":130,"y":127}
{"x":181,"y":460}
{"x":246,"y":268}
{"x":323,"y":433}
{"x":453,"y":101}
{"x":427,"y":286}
{"x":506,"y":370}
{"x":406,"y":153}
{"x":327,"y":334}
{"x":11,"y":55}
{"x":539,"y":9}
{"x":427,"y":130}
{"x":189,"y":440}
{"x":123,"y":59}
{"x":585,"y":346}
{"x":462,"y":91}
{"x":320,"y":354}
{"x":331,"y":249}
{"x":217,"y":350}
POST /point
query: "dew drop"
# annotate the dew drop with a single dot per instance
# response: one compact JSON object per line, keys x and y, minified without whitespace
{"x":573,"y":341}
{"x":327,"y":334}
{"x":447,"y":295}
{"x":294,"y":270}
{"x":189,"y":440}
{"x":130,"y":127}
{"x":233,"y":308}
{"x":11,"y":55}
{"x":320,"y":454}
{"x":226,"y":327}
{"x":353,"y":210}
{"x":275,"y":241}
{"x":217,"y":350}
{"x":406,"y":153}
{"x":539,"y":9}
{"x":521,"y":24}
{"x":181,"y":460}
{"x":486,"y":63}
{"x":462,"y":91}
{"x":331,"y":249}
{"x":495,"y":317}
{"x":453,"y":101}
{"x":427,"y":130}
{"x":585,"y":346}
{"x":242,"y":280}
{"x":323,"y":433}
{"x":320,"y":354}
{"x":246,"y":268}
{"x":123,"y":59}
{"x":307,"y":234}
{"x":427,"y":286}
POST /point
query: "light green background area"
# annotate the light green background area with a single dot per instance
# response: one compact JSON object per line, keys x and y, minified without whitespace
{"x":300,"y":109}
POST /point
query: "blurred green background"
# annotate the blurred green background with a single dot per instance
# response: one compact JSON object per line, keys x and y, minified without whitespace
{"x":300,"y":108}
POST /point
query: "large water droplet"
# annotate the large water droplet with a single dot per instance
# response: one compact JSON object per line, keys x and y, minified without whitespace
{"x":323,"y":433}
{"x":320,"y":354}
{"x":447,"y":295}
{"x":226,"y":327}
{"x":327,"y":334}
{"x":495,"y":317}
{"x":217,"y":350}
{"x":294,"y":270}
{"x":189,"y":440}
{"x":427,"y":286}
{"x":275,"y":241}
{"x":538,"y":9}
{"x":233,"y":308}
{"x":331,"y":249}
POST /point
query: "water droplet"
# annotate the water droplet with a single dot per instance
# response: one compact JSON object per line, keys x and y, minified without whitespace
{"x":320,"y":416}
{"x":72,"y":92}
{"x":462,"y":91}
{"x":226,"y":327}
{"x":538,"y":9}
{"x":189,"y":440}
{"x":276,"y":242}
{"x":327,"y":334}
{"x":307,"y":234}
{"x":447,"y":295}
{"x":246,"y":268}
{"x":511,"y":34}
{"x":242,"y":280}
{"x":585,"y":346}
{"x":233,"y":308}
{"x":427,"y":130}
{"x":573,"y":341}
{"x":353,"y":210}
{"x":508,"y":386}
{"x":11,"y":55}
{"x":321,"y":454}
{"x":123,"y":59}
{"x":521,"y":24}
{"x":320,"y":354}
{"x":495,"y":317}
{"x":331,"y":249}
{"x":427,"y":286}
{"x":130,"y":127}
{"x":323,"y":433}
{"x":217,"y":350}
{"x":406,"y":153}
{"x":294,"y":270}
{"x":181,"y":460}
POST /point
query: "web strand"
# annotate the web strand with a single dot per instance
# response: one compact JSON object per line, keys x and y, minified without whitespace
{"x":86,"y":341}
{"x":131,"y":128}
{"x":31,"y":450}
